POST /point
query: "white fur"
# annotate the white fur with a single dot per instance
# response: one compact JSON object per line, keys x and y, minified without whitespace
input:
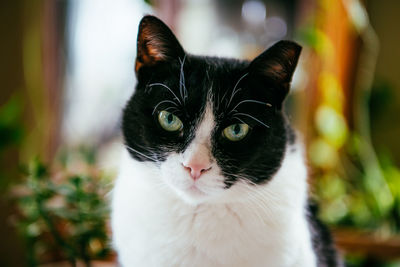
{"x":162,"y":218}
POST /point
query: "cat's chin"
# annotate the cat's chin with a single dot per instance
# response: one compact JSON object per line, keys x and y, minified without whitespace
{"x":193,"y":195}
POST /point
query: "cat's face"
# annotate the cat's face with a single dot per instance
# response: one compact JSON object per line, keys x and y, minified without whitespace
{"x":207,"y":123}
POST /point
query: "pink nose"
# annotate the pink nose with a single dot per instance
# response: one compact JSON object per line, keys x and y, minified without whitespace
{"x":196,"y":169}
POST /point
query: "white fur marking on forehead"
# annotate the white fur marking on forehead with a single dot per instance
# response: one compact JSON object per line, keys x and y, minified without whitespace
{"x":207,"y":124}
{"x":201,"y":144}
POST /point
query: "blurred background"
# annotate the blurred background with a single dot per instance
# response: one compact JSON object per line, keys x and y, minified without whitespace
{"x":68,"y":68}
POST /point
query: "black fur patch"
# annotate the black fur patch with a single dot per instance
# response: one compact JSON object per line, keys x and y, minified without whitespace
{"x":322,"y":242}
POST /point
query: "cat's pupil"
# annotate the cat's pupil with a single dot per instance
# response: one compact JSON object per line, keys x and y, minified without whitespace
{"x":236,"y":129}
{"x":170,"y":118}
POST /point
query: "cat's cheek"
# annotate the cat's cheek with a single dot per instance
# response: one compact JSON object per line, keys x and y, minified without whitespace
{"x":174,"y":174}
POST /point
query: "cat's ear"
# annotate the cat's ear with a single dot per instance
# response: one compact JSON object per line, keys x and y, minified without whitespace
{"x":156,"y":43}
{"x":277,"y":64}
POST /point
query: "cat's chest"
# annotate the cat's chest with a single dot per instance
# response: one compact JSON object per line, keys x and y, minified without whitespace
{"x":220,"y":232}
{"x":154,"y":227}
{"x":226,"y":228}
{"x":161,"y":229}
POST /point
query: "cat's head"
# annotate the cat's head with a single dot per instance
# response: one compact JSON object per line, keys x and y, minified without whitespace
{"x":207,"y":124}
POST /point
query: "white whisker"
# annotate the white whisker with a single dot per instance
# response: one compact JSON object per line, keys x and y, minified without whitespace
{"x":161,"y":102}
{"x":249,"y":101}
{"x":234,"y":89}
{"x":169,"y":108}
{"x":140,"y":153}
{"x":247,"y":115}
{"x":232,"y":96}
{"x":240,"y":120}
{"x":182,"y":86}
{"x":163,"y":85}
{"x":222,"y":99}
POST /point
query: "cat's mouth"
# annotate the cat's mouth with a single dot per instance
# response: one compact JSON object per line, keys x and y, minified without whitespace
{"x":194,"y":190}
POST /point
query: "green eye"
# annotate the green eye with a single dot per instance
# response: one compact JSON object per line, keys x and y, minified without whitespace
{"x":169,"y":121}
{"x":236,"y":132}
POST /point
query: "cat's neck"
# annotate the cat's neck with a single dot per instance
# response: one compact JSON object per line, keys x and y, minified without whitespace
{"x":273,"y":218}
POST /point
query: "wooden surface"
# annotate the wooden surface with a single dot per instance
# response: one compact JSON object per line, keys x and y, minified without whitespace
{"x":373,"y":245}
{"x":80,"y":264}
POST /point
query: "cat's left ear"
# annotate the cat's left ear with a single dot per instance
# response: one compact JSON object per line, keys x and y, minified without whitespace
{"x":156,"y":43}
{"x":277,"y":65}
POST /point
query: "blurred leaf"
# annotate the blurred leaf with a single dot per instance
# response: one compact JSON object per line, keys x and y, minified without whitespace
{"x":10,"y":122}
{"x":331,"y":125}
{"x":331,"y":91}
{"x":317,"y":40}
{"x":322,"y":154}
{"x":89,"y":154}
{"x":382,"y":95}
{"x":37,"y":169}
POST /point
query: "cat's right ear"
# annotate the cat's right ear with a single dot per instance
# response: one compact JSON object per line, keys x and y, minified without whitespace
{"x":156,"y":44}
{"x":277,"y":65}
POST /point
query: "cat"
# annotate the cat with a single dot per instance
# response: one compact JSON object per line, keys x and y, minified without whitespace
{"x":213,"y":174}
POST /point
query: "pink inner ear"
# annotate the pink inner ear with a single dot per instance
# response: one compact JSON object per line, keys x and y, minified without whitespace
{"x":150,"y":49}
{"x":276,"y":70}
{"x":155,"y":43}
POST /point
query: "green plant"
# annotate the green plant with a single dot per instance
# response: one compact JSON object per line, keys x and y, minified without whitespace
{"x":63,"y":215}
{"x":355,"y":187}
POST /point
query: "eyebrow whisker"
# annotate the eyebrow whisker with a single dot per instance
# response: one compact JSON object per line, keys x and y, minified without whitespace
{"x":240,"y":120}
{"x":247,"y":115}
{"x":169,"y":89}
{"x":169,"y":108}
{"x":182,"y":86}
{"x":233,"y":95}
{"x":222,"y":99}
{"x":234,"y":89}
{"x":161,"y":102}
{"x":249,"y":101}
